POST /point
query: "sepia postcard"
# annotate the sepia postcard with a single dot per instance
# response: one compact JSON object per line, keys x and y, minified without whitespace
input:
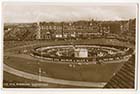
{"x":69,"y":45}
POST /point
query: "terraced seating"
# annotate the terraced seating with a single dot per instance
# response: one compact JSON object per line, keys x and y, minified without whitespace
{"x":125,"y":77}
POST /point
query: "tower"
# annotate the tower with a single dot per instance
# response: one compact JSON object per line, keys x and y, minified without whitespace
{"x":38,"y":36}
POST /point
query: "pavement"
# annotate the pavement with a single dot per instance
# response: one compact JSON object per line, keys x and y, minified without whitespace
{"x":52,"y":80}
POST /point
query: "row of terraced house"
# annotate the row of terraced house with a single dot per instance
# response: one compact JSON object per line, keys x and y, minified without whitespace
{"x":70,"y":30}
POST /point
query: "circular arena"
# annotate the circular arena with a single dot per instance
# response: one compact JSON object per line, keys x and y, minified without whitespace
{"x":81,"y":64}
{"x":96,"y":54}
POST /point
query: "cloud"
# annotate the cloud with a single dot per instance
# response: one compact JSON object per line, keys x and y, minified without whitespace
{"x":32,"y":12}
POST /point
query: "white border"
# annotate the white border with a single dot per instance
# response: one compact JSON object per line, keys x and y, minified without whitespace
{"x":98,"y":91}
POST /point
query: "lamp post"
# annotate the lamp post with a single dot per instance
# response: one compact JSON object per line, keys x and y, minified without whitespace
{"x":39,"y":70}
{"x":39,"y":76}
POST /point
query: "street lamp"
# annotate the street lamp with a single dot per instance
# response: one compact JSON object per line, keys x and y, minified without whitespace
{"x":39,"y":69}
{"x":39,"y":76}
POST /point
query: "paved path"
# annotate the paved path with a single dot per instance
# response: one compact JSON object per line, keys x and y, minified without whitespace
{"x":51,"y":80}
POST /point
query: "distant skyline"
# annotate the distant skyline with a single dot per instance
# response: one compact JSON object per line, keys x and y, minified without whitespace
{"x":24,"y":12}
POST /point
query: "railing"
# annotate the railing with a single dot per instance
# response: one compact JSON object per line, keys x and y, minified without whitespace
{"x":99,"y":60}
{"x":62,"y":58}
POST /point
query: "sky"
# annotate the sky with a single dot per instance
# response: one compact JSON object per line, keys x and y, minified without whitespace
{"x":20,"y":12}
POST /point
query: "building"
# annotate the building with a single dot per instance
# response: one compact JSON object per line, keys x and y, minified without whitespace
{"x":80,"y":52}
{"x":67,"y":30}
